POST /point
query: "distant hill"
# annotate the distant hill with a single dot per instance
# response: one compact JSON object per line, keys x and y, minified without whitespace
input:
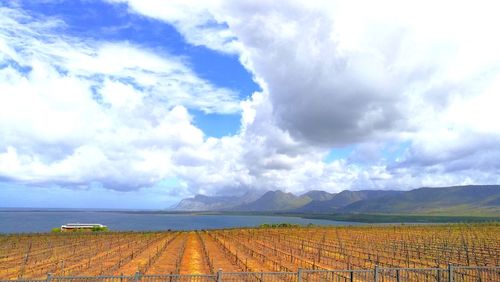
{"x":461,"y":200}
{"x":214,"y":203}
{"x":343,"y":199}
{"x":275,"y":201}
{"x":317,"y":195}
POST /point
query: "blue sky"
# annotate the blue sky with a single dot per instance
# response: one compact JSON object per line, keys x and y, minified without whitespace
{"x":99,"y":20}
{"x":138,"y":104}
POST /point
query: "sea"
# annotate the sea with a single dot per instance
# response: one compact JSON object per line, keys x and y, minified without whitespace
{"x":39,"y":221}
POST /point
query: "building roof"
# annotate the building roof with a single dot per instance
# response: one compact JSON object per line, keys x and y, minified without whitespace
{"x":82,"y":225}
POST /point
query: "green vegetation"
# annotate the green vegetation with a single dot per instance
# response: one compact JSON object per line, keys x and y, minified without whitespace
{"x":56,"y":230}
{"x":99,"y":229}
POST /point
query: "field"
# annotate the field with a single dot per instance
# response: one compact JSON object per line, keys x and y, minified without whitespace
{"x":252,"y":249}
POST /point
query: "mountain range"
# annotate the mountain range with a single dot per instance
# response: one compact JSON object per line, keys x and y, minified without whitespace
{"x":456,"y":200}
{"x":215,"y":203}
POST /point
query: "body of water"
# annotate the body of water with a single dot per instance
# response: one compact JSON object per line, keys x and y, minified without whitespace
{"x":44,"y":221}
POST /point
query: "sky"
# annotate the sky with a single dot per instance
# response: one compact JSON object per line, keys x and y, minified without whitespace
{"x":140,"y":103}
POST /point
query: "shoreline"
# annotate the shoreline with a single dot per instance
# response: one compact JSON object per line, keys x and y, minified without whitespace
{"x":358,"y":218}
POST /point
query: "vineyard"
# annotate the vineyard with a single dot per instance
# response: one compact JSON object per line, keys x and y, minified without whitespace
{"x":253,"y":249}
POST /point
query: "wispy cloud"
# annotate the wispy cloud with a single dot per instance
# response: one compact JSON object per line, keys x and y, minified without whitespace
{"x":75,"y":111}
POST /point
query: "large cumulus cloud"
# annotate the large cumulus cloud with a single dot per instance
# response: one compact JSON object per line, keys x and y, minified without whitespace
{"x":332,"y":73}
{"x":339,"y":73}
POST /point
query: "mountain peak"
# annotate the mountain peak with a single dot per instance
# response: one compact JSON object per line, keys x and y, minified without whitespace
{"x":318,"y":195}
{"x":445,"y":200}
{"x":211,"y":203}
{"x":274,"y":201}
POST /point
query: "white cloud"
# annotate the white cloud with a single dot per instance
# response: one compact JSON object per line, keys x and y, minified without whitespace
{"x":193,"y":19}
{"x":338,"y":73}
{"x":74,"y":112}
{"x":333,"y":73}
